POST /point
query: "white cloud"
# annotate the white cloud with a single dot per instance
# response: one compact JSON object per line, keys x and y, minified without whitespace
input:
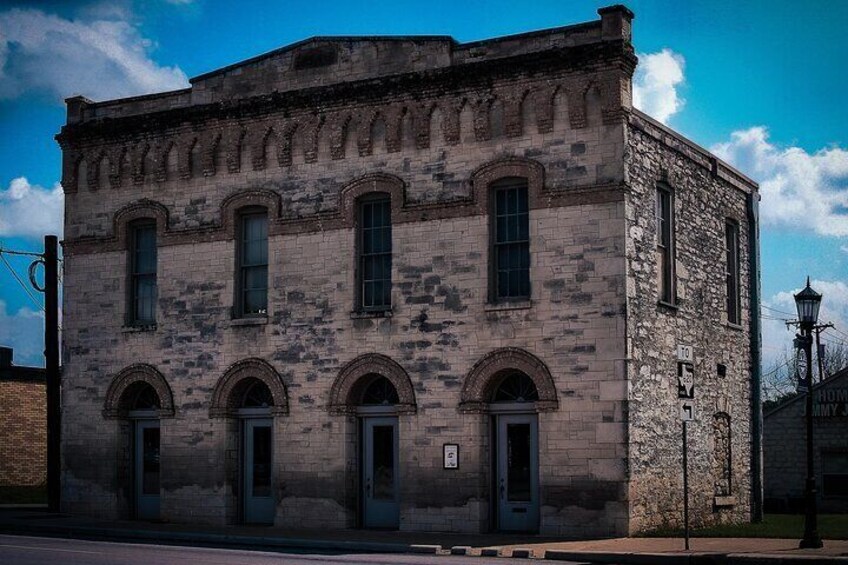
{"x":799,"y":190}
{"x":99,"y":58}
{"x":28,"y":210}
{"x":777,"y":338}
{"x":656,"y":82}
{"x":23,"y":332}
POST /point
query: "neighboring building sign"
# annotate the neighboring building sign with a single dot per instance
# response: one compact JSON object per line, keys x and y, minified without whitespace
{"x":831,"y":403}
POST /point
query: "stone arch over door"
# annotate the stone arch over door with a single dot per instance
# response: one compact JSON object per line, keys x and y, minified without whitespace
{"x":116,"y":404}
{"x":346,"y":392}
{"x":225,"y":398}
{"x":485,"y":376}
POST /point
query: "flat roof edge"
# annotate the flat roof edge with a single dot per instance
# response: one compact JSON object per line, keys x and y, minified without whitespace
{"x":740,"y":176}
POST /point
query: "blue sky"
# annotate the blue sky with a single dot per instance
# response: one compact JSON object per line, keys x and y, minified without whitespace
{"x":760,"y":83}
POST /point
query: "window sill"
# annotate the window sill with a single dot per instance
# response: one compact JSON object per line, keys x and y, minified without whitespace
{"x":133,"y":329}
{"x":724,"y":501}
{"x":513,"y":305}
{"x":251,"y":321}
{"x":365,"y":314}
{"x":737,"y":327}
{"x":668,"y":306}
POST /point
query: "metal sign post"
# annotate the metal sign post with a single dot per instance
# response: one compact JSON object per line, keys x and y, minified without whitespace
{"x":686,"y":394}
{"x":685,"y":487}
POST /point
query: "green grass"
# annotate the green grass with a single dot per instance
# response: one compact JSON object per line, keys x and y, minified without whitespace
{"x":831,"y":526}
{"x":23,"y":495}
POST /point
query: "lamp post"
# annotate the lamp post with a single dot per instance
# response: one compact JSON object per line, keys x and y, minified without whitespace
{"x":807,"y":302}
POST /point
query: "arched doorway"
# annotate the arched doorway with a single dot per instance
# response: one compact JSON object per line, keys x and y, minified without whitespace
{"x":257,"y":451}
{"x":250,"y":395}
{"x":144,"y":408}
{"x":140,"y":396}
{"x":512,"y":387}
{"x":373,"y":391}
{"x":515,"y":444}
{"x":379,"y":441}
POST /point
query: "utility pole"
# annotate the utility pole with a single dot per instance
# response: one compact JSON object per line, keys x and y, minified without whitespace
{"x":51,"y":357}
{"x":819,"y":349}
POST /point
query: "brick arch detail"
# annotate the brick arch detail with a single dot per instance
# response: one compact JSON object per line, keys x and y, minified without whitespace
{"x":350,"y":383}
{"x":267,"y":199}
{"x":482,"y":378}
{"x":224,"y":403}
{"x":369,"y":184}
{"x":533,"y":171}
{"x":138,"y":210}
{"x":115,"y":405}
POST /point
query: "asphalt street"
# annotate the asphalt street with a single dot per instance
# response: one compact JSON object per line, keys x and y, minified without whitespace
{"x":22,"y":550}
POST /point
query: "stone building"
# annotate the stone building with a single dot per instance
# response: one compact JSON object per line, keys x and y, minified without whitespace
{"x":405,"y":282}
{"x":23,"y":431}
{"x":785,"y":449}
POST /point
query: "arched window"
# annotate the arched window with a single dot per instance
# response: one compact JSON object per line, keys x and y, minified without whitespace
{"x":510,"y":241}
{"x":143,"y":266}
{"x":257,"y":395}
{"x":516,"y":387}
{"x":252,"y":262}
{"x":374,"y":242}
{"x":142,"y":396}
{"x":380,"y":392}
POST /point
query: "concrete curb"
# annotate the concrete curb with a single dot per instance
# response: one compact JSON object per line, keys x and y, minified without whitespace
{"x":702,"y":558}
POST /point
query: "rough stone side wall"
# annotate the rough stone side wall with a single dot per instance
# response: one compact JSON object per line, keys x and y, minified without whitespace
{"x":23,"y":433}
{"x":702,"y":202}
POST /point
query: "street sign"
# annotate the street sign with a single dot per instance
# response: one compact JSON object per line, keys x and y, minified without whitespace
{"x":687,"y":411}
{"x":685,"y":380}
{"x":685,"y":353}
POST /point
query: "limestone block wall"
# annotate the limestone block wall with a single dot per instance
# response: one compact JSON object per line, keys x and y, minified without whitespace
{"x":704,"y":195}
{"x":441,"y":323}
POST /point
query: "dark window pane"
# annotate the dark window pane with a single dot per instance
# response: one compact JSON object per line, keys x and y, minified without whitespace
{"x":261,"y":461}
{"x":732,"y":271}
{"x":512,"y":242}
{"x":144,"y":298}
{"x":665,"y":267}
{"x":384,"y":463}
{"x":150,"y":462}
{"x":143,"y":273}
{"x":253,"y":264}
{"x":255,"y":302}
{"x":375,"y":249}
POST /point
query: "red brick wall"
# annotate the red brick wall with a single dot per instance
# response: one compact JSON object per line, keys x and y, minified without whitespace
{"x":23,"y":433}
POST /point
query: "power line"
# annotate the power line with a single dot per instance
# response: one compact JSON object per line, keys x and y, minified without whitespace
{"x":20,"y":282}
{"x":776,"y":310}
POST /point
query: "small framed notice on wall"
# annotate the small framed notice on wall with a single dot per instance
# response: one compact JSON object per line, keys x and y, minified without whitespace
{"x":451,"y":455}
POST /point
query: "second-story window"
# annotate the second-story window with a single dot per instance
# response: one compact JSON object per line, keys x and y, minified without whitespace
{"x":252,"y":296}
{"x":142,"y":310}
{"x":375,"y":253}
{"x":731,"y":241}
{"x":665,"y":245}
{"x":510,"y":241}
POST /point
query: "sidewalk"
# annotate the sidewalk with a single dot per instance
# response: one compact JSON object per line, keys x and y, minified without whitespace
{"x":641,"y":551}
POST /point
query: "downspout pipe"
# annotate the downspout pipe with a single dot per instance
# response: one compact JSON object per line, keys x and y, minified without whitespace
{"x":755,"y":330}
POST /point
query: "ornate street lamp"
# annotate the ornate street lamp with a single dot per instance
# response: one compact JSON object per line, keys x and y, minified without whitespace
{"x":808,"y":302}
